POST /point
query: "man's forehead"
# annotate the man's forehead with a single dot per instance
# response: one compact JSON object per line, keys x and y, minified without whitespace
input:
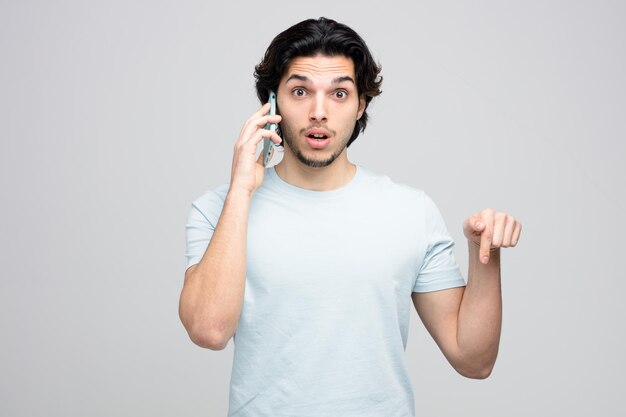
{"x":320,"y":66}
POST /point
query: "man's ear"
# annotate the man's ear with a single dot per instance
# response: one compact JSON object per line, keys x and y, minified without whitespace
{"x":361,"y":106}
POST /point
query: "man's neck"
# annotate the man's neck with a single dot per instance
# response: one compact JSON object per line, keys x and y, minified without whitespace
{"x":331,"y":177}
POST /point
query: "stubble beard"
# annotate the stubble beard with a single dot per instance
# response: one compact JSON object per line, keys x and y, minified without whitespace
{"x":311,"y":162}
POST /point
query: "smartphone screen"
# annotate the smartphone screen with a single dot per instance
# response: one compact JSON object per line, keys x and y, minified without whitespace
{"x":268,"y":145}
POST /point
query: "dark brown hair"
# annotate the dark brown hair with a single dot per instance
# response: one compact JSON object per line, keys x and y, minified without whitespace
{"x":309,"y":38}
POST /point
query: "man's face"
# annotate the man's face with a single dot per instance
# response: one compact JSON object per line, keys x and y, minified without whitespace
{"x":317,"y":96}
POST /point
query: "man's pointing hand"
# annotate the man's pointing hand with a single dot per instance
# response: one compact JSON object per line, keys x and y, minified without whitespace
{"x":491,"y":230}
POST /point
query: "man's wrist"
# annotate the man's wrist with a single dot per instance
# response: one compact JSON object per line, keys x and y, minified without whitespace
{"x":238,"y":193}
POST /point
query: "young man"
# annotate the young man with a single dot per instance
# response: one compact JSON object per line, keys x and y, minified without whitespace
{"x":311,"y":265}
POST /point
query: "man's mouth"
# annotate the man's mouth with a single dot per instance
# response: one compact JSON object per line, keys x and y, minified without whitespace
{"x":317,"y":136}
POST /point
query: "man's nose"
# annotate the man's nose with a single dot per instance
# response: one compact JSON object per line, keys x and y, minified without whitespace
{"x":318,"y":108}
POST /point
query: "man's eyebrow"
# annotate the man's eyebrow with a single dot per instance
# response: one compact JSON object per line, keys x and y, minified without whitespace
{"x":342,"y":79}
{"x":306,"y":79}
{"x":297,"y":77}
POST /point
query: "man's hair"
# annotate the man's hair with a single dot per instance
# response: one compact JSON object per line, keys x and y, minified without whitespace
{"x":327,"y":37}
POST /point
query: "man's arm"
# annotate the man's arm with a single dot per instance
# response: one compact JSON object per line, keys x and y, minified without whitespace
{"x":212,"y":296}
{"x":466,"y":322}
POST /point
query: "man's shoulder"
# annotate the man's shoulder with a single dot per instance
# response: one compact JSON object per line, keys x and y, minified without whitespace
{"x":384,"y":183}
{"x":213,"y":197}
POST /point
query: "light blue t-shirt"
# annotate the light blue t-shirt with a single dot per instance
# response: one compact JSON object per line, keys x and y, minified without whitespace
{"x":324,"y":323}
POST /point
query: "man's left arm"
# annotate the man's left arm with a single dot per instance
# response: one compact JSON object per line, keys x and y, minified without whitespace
{"x":465,"y":322}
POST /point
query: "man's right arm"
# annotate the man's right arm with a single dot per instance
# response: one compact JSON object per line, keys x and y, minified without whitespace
{"x":212,"y":295}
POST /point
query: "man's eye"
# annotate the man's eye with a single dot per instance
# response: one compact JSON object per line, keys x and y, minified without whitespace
{"x":341,"y":94}
{"x":298,"y":92}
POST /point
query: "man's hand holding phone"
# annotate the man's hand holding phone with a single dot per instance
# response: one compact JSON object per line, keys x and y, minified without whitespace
{"x":247,"y":173}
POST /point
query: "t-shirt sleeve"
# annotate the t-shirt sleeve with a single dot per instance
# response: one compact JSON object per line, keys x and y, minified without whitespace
{"x":201,"y":222}
{"x":439,"y":269}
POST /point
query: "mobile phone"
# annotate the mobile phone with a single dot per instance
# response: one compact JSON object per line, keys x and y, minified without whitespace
{"x":268,"y":145}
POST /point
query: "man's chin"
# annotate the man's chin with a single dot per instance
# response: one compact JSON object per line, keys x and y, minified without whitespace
{"x":315,"y":163}
{"x":311,"y":161}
